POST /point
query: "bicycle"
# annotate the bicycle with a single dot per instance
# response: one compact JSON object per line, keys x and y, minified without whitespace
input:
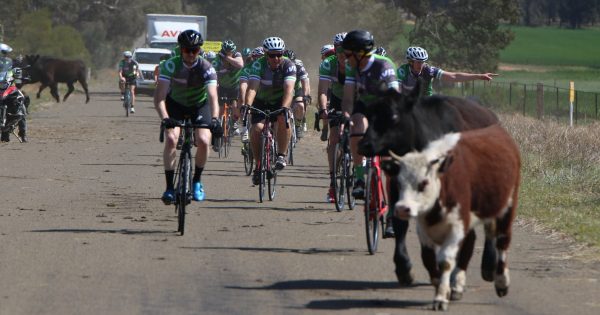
{"x":10,"y":118}
{"x":246,"y":147}
{"x":224,"y":143}
{"x":343,"y":174}
{"x":375,"y":203}
{"x":293,"y":138}
{"x":127,"y":98}
{"x":183,"y":175}
{"x":268,"y":155}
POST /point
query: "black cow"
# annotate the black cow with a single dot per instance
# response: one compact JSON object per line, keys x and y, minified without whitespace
{"x":403,"y":123}
{"x":51,"y":71}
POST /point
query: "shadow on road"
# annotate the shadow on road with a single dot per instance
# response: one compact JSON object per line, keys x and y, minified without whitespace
{"x":303,"y":251}
{"x":340,"y":304}
{"x":107,"y":231}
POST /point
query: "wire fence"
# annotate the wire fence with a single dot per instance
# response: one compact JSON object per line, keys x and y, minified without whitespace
{"x":536,"y":100}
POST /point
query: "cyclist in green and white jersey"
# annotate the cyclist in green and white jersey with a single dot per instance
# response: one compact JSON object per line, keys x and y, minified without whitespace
{"x":365,"y":74}
{"x":271,"y":86}
{"x":301,"y":93}
{"x":228,"y":63}
{"x":128,"y":72}
{"x":416,"y":68}
{"x":187,"y":86}
{"x":332,"y":74}
{"x":244,"y":77}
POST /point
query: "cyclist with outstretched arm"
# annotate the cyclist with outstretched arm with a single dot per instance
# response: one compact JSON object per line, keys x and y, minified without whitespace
{"x":270,"y":87}
{"x":187,"y":86}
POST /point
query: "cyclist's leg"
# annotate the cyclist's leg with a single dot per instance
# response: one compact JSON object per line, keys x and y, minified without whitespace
{"x":257,"y":123}
{"x":132,"y":89}
{"x":360,"y":126}
{"x":202,"y":140}
{"x":170,"y":150}
{"x":298,"y":109}
{"x":283,"y":135}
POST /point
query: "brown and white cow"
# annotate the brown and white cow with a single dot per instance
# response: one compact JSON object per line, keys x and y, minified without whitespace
{"x":455,"y":183}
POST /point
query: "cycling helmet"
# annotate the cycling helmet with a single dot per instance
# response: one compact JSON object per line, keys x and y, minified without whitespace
{"x":246,"y":52}
{"x":273,"y":44}
{"x":358,"y":40}
{"x":6,"y":80}
{"x":127,"y":54}
{"x":228,"y":45}
{"x":190,"y":39}
{"x":5,"y":49}
{"x":339,"y":38}
{"x":416,"y":53}
{"x":210,"y":55}
{"x":258,"y":52}
{"x":290,"y":54}
{"x":380,"y":51}
{"x":327,"y":50}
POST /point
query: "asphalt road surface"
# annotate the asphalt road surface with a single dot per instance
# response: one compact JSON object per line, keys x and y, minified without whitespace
{"x":83,"y":231}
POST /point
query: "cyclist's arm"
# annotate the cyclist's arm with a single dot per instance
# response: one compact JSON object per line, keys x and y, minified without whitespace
{"x":462,"y":76}
{"x":348,"y":99}
{"x":160,"y":94}
{"x":236,"y":62}
{"x":253,"y":86}
{"x":324,"y":85}
{"x":288,"y":93}
{"x":213,"y":100}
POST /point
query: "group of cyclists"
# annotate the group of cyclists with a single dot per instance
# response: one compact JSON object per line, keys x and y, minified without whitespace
{"x":270,"y":77}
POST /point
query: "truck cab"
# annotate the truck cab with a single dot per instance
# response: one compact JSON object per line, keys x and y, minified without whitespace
{"x":148,"y":59}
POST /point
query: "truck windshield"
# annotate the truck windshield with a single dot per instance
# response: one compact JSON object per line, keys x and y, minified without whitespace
{"x":148,"y":58}
{"x":165,"y":45}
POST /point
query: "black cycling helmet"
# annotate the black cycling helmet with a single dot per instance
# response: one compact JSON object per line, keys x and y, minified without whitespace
{"x":358,"y":40}
{"x":290,"y":54}
{"x":190,"y":39}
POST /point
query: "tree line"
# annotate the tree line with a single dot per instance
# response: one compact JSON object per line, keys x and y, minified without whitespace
{"x":460,"y":34}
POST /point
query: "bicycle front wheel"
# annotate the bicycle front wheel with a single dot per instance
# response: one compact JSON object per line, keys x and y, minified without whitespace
{"x":272,"y":174}
{"x":339,"y":177}
{"x":248,"y":159}
{"x":372,"y":204}
{"x":183,"y":190}
{"x":349,"y":177}
{"x":263,"y":170}
{"x":127,"y":101}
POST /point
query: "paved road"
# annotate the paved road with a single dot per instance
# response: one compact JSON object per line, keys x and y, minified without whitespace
{"x":82,"y":231}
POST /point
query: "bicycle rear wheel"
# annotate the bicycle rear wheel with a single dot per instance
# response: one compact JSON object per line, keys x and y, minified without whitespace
{"x":248,"y":158}
{"x":349,"y":174}
{"x":339,"y":177}
{"x":272,"y":174}
{"x":226,"y":137}
{"x":372,"y":203}
{"x":183,"y":189}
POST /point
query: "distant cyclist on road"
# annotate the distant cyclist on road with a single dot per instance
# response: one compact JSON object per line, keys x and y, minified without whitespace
{"x":332,"y":74}
{"x":128,"y":72}
{"x":271,"y":86}
{"x":228,"y":63}
{"x":415,"y":68}
{"x":187,"y":86}
{"x":301,"y":93}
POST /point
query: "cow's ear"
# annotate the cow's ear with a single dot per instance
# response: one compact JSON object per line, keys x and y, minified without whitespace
{"x":445,"y":163}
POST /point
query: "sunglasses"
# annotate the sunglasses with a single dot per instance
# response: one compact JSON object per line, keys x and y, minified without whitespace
{"x":186,"y":50}
{"x":275,"y":55}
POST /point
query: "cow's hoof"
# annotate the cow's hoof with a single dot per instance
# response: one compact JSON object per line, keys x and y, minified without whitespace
{"x":487,"y":274}
{"x":501,"y":292}
{"x":455,"y":295}
{"x":405,"y":278}
{"x":440,"y":306}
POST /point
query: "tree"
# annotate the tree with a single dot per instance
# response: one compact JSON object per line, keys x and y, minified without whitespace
{"x":462,"y":34}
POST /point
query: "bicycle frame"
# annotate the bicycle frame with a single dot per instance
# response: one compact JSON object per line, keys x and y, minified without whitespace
{"x":375,"y":203}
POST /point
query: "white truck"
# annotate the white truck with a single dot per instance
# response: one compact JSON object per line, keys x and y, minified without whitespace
{"x":148,"y":59}
{"x":162,"y":29}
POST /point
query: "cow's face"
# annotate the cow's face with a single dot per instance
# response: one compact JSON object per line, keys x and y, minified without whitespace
{"x":31,"y":67}
{"x":418,"y":177}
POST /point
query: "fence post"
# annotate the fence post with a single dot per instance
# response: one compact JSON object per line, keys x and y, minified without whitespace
{"x":510,"y":93}
{"x":576,"y":109}
{"x":524,"y":97}
{"x":596,"y":94}
{"x":540,"y":100}
{"x":557,"y":108}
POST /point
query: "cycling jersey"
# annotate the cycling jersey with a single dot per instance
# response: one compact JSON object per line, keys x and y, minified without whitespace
{"x":245,"y":73}
{"x":408,"y":79}
{"x":379,"y":71}
{"x":128,"y":68}
{"x":329,"y":71}
{"x":271,"y":81}
{"x":229,"y":77}
{"x":301,"y":74}
{"x":188,"y":83}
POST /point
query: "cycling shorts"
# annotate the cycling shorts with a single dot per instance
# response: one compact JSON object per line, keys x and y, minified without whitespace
{"x":130,"y":80}
{"x":201,"y":112}
{"x":360,"y":108}
{"x":229,"y":93}
{"x":259,"y":117}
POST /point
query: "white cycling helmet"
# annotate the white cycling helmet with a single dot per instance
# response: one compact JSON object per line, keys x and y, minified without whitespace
{"x":416,"y":53}
{"x":327,"y":50}
{"x":127,"y":54}
{"x":257,"y":52}
{"x":339,"y":38}
{"x":5,"y":49}
{"x":210,"y":55}
{"x":274,"y":44}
